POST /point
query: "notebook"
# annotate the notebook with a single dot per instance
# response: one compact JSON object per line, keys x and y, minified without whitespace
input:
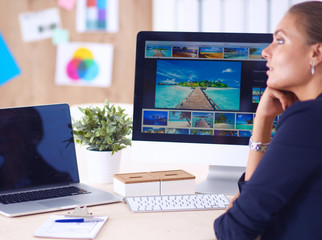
{"x":74,"y":230}
{"x":37,"y":154}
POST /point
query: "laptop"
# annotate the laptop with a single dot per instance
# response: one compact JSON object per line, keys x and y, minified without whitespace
{"x":37,"y":158}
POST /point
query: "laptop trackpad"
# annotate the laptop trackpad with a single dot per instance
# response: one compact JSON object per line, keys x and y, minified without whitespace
{"x":59,"y":202}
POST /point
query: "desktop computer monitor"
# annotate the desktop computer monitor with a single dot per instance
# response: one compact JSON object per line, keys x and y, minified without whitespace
{"x":195,"y":99}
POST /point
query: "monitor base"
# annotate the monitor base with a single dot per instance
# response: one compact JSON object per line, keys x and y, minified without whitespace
{"x":221,"y":179}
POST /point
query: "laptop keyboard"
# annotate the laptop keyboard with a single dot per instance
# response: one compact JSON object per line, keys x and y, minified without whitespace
{"x":41,"y":194}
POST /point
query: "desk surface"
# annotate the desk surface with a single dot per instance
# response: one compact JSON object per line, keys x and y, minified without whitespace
{"x":123,"y":224}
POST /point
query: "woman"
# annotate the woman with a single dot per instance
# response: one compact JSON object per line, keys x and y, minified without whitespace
{"x":281,"y":191}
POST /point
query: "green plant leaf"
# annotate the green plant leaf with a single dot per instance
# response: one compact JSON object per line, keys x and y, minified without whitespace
{"x":104,"y":129}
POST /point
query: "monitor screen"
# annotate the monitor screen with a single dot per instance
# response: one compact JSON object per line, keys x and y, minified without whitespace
{"x":194,"y":87}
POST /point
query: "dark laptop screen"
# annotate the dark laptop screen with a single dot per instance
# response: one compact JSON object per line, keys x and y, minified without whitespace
{"x":36,"y":147}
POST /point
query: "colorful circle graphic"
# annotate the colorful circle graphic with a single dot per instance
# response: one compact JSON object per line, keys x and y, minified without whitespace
{"x":82,"y":66}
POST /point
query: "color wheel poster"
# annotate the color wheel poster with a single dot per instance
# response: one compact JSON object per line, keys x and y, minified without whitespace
{"x":84,"y":64}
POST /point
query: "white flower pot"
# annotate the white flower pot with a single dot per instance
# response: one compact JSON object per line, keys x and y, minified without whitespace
{"x":102,"y":165}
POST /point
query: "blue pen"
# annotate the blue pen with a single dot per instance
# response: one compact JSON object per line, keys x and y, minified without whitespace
{"x":71,"y":220}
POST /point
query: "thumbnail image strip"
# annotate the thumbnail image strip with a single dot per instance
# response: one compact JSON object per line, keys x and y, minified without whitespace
{"x":203,"y":119}
{"x":158,"y":51}
{"x":185,"y":52}
{"x":211,"y":52}
{"x":155,"y":117}
{"x":245,"y":133}
{"x":153,"y":130}
{"x":181,"y":131}
{"x":225,"y":133}
{"x":179,"y":119}
{"x":244,"y":121}
{"x":204,"y":132}
{"x":256,"y":52}
{"x":236,"y":53}
{"x":225,"y":120}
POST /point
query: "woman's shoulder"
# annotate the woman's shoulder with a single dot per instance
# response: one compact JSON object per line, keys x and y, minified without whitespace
{"x":301,"y":122}
{"x":305,"y":109}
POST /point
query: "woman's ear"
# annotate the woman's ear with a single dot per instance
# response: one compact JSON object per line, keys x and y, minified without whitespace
{"x":317,"y":53}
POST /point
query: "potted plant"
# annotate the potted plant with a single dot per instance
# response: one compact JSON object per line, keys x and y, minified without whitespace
{"x":105,"y":131}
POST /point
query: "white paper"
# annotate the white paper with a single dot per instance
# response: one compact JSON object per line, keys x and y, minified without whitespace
{"x":84,"y":64}
{"x":39,"y":25}
{"x":83,"y":230}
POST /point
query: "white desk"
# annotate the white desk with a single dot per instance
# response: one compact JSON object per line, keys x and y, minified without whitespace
{"x":125,"y":225}
{"x":122,"y":223}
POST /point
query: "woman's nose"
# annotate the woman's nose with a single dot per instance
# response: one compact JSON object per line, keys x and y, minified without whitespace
{"x":266,"y":52}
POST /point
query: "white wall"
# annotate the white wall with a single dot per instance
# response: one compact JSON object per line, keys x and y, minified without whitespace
{"x":259,"y":16}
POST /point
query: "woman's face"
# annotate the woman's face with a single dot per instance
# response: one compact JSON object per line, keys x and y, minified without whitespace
{"x":288,"y":57}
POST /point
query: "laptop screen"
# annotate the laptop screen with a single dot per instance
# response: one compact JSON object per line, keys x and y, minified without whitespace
{"x":36,"y":147}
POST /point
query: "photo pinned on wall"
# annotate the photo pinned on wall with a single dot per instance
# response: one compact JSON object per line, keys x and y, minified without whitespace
{"x":84,"y":64}
{"x":40,"y":24}
{"x":97,"y":15}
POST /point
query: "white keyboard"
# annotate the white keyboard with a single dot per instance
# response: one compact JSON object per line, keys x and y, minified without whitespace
{"x":167,"y":203}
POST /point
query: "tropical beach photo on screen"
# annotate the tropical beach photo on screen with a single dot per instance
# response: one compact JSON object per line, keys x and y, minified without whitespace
{"x":216,"y":85}
{"x":179,"y":119}
{"x":158,"y":51}
{"x":185,"y":51}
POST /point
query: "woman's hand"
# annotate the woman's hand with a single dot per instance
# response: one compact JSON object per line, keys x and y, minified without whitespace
{"x":230,"y":205}
{"x":274,"y":102}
